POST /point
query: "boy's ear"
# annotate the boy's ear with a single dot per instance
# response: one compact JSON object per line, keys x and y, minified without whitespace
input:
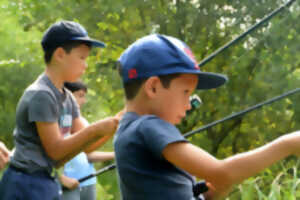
{"x":151,"y":86}
{"x":59,"y":54}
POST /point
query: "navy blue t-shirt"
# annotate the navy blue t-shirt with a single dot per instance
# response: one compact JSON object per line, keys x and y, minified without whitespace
{"x":143,"y":171}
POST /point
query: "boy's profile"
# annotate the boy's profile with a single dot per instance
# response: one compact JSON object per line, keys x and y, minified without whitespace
{"x":154,"y":161}
{"x":47,"y":113}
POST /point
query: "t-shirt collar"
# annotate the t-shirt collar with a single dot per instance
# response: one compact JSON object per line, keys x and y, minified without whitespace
{"x":59,"y":94}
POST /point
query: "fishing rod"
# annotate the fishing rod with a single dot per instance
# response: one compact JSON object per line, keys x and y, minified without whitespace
{"x":210,"y":125}
{"x":243,"y":112}
{"x":104,"y":169}
{"x":248,"y":31}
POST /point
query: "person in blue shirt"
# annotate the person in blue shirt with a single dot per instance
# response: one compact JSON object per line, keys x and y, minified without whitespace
{"x":154,"y":160}
{"x":81,"y":165}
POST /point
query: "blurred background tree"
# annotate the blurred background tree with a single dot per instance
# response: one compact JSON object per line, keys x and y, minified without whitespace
{"x":263,"y":65}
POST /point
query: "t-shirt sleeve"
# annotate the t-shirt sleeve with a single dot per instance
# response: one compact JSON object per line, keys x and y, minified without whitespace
{"x":157,"y":134}
{"x":42,"y":108}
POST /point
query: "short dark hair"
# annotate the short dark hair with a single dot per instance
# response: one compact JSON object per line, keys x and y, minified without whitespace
{"x":67,"y":46}
{"x":132,"y":88}
{"x":75,"y":86}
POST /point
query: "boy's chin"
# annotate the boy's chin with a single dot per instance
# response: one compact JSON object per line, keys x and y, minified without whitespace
{"x":73,"y":79}
{"x":175,"y":122}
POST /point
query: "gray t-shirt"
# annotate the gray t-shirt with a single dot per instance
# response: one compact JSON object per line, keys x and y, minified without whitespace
{"x":143,"y":171}
{"x":41,"y":102}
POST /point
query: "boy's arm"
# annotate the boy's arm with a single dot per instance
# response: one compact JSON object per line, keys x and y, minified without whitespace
{"x":63,"y":149}
{"x":98,"y":156}
{"x":95,"y":145}
{"x":80,"y":123}
{"x":224,"y":173}
{"x":4,"y":155}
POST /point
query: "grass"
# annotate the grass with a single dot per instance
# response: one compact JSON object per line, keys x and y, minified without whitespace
{"x":270,"y":186}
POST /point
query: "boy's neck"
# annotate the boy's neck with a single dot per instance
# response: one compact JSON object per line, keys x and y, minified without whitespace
{"x":138,"y":106}
{"x":55,"y":77}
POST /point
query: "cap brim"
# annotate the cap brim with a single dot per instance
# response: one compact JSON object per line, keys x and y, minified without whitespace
{"x":94,"y":43}
{"x":208,"y":80}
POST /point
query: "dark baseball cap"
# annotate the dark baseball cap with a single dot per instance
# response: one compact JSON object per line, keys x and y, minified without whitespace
{"x":156,"y":55}
{"x":65,"y":31}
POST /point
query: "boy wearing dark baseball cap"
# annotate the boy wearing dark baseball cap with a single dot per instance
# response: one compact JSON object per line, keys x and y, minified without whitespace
{"x":154,"y":160}
{"x":49,"y":130}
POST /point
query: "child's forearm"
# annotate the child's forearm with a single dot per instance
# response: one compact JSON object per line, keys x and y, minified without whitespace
{"x":97,"y":144}
{"x":74,"y":145}
{"x":222,"y":174}
{"x":247,"y":164}
{"x":100,"y":128}
{"x":62,"y":149}
{"x":98,"y":156}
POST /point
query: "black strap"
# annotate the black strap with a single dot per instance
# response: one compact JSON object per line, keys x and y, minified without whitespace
{"x":199,"y":188}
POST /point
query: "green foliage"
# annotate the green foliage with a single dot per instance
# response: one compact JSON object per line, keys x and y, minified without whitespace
{"x":20,"y":64}
{"x":283,"y":185}
{"x":260,"y":67}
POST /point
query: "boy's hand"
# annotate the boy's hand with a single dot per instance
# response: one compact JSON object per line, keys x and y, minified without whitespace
{"x":120,"y":114}
{"x":69,"y":183}
{"x":4,"y":155}
{"x":109,"y":125}
{"x":214,"y":194}
{"x":108,"y":128}
{"x":210,"y":194}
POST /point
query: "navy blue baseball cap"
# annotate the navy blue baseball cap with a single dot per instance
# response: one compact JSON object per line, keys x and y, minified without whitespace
{"x":65,"y":31}
{"x":157,"y":55}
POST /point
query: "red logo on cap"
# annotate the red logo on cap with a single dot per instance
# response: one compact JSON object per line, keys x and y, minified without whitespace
{"x":191,"y":55}
{"x":132,"y":73}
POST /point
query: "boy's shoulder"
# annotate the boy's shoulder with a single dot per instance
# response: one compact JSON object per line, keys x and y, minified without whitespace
{"x":146,"y":127}
{"x":39,"y":88}
{"x":40,"y":84}
{"x":136,"y":121}
{"x":43,"y":92}
{"x":43,"y":86}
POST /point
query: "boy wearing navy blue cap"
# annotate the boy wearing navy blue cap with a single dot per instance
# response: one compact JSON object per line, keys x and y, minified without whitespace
{"x":47,"y":115}
{"x":154,"y":161}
